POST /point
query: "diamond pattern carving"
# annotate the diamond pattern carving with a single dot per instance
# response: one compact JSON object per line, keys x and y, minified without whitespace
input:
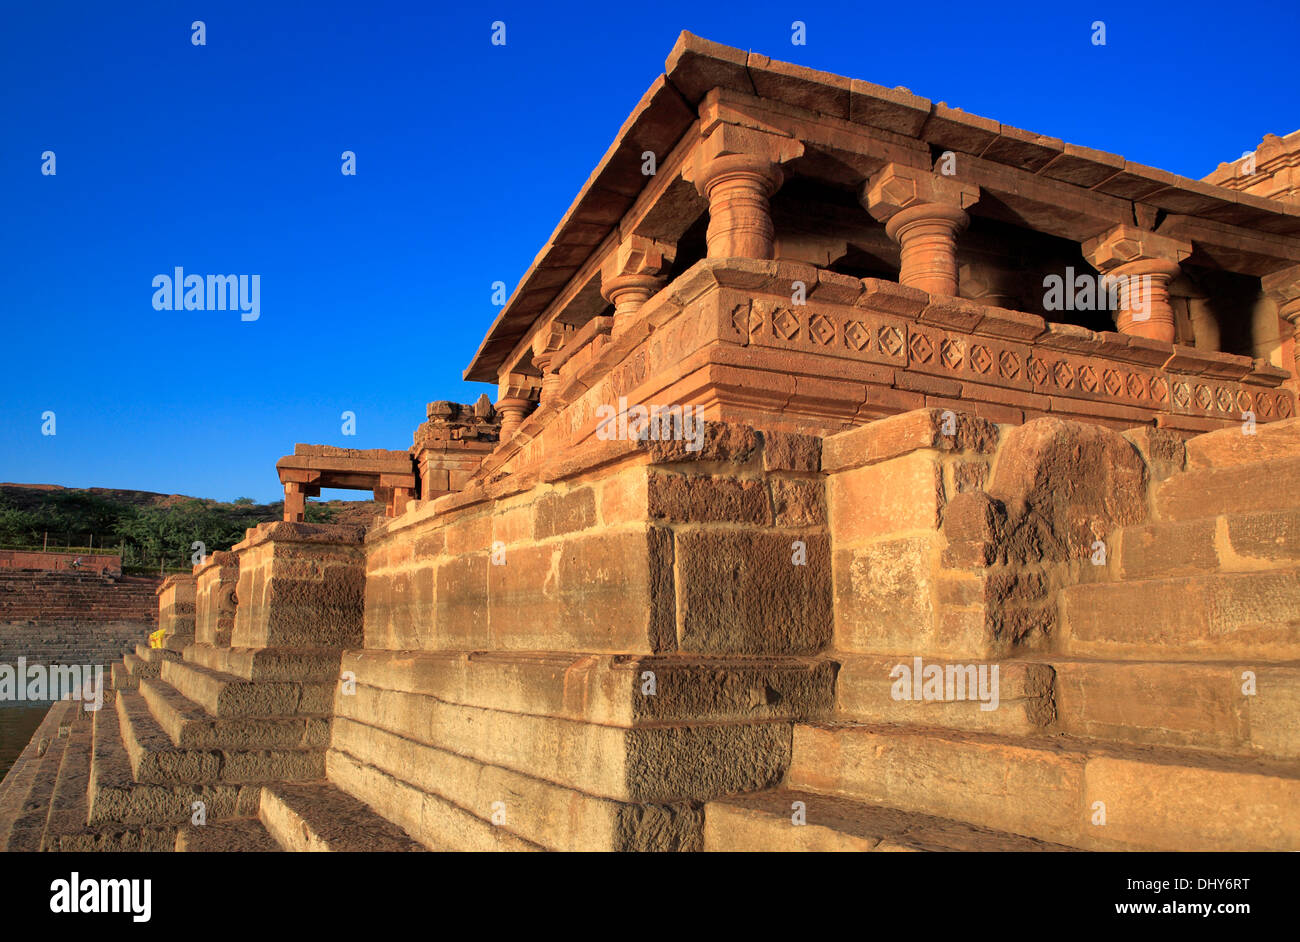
{"x":856,"y":335}
{"x":821,"y":329}
{"x":785,"y":324}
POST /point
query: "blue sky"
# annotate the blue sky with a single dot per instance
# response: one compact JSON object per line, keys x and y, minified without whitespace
{"x":376,"y":288}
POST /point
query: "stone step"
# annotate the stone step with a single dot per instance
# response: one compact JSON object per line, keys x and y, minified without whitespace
{"x":226,"y":695}
{"x":116,"y":799}
{"x":189,"y":726}
{"x":122,"y":678}
{"x":662,"y":762}
{"x":1235,"y":489}
{"x":1228,"y":542}
{"x":233,"y":836}
{"x":314,"y":665}
{"x":607,"y":689}
{"x":112,"y":838}
{"x":1198,"y":705}
{"x":69,"y":804}
{"x":871,"y":689}
{"x":155,"y":760}
{"x":320,"y":817}
{"x":536,"y":810}
{"x":1220,"y":616}
{"x":765,"y":821}
{"x":30,"y":783}
{"x":1056,"y":788}
{"x":1229,"y":447}
{"x":138,"y":667}
{"x":155,"y":655}
{"x":433,"y":821}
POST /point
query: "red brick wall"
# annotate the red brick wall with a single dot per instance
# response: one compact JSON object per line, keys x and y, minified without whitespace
{"x":34,"y":559}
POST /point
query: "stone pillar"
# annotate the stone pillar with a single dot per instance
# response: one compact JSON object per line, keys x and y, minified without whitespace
{"x":922,"y":212}
{"x":737,"y":170}
{"x":635,"y":270}
{"x":295,"y":502}
{"x":1137,"y":267}
{"x":397,"y":503}
{"x":1283,"y":289}
{"x":546,"y":345}
{"x":176,"y":611}
{"x":512,"y":409}
{"x":517,"y":395}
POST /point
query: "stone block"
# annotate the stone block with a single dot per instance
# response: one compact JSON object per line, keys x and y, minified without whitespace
{"x":901,"y":434}
{"x":681,"y":498}
{"x":741,"y":592}
{"x":891,"y":497}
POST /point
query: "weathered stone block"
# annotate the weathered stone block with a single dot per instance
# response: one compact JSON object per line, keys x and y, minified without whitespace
{"x":741,"y":592}
{"x":682,"y":498}
{"x":558,"y":513}
{"x":898,"y":435}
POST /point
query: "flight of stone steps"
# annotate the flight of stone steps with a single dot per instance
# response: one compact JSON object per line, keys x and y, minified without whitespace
{"x":59,"y":617}
{"x":212,"y":729}
{"x":1166,"y":721}
{"x":51,"y":596}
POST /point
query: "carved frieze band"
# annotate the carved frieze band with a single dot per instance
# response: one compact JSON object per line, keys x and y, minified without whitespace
{"x":1030,"y":367}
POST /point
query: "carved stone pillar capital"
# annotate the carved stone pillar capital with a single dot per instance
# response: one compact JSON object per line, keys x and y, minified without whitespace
{"x":546,"y":346}
{"x":896,"y":187}
{"x":737,"y":169}
{"x":632,"y":274}
{"x":922,"y":212}
{"x":1139,"y":265}
{"x":1283,"y":288}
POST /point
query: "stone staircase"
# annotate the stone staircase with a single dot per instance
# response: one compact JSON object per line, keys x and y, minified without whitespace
{"x":1139,"y":714}
{"x":63,"y":595}
{"x":63,"y":617}
{"x":174,"y":732}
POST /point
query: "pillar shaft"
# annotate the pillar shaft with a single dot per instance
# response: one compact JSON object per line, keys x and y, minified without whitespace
{"x":922,"y":212}
{"x":927,"y":239}
{"x":512,"y":409}
{"x":1137,"y":267}
{"x":295,"y":502}
{"x":738,"y":188}
{"x":1143,"y":294}
{"x":632,"y":273}
{"x":1283,"y":289}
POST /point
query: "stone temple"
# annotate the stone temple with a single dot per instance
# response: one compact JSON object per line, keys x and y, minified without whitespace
{"x":805,"y":517}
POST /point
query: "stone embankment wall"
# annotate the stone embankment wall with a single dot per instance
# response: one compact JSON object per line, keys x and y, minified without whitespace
{"x":68,"y":617}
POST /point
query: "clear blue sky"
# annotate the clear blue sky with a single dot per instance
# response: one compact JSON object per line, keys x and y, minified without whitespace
{"x":225,"y":158}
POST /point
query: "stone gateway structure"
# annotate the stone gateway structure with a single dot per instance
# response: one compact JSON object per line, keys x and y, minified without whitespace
{"x":984,"y":539}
